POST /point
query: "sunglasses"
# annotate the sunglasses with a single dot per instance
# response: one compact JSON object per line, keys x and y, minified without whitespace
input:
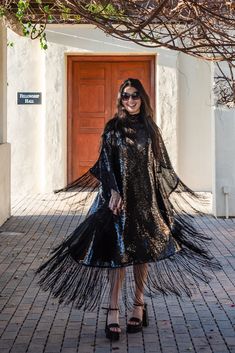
{"x":126,"y":96}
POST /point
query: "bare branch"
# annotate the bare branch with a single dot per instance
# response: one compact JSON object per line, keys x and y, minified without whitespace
{"x":201,"y":28}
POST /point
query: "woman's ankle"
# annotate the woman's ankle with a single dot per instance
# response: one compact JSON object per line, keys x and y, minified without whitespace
{"x":139,"y":301}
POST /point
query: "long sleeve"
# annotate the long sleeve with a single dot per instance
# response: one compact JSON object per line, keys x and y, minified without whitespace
{"x":104,"y":169}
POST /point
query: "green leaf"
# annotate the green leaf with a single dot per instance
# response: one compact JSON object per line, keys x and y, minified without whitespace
{"x":43,"y":41}
{"x":2,"y":11}
{"x":22,"y":7}
{"x":50,"y":18}
{"x":10,"y":44}
{"x":106,"y":11}
{"x":77,"y":18}
{"x":47,"y":9}
{"x":65,"y":9}
{"x":26,"y":28}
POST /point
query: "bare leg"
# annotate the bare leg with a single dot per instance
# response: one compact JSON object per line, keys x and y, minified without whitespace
{"x":140,"y":275}
{"x":116,"y":279}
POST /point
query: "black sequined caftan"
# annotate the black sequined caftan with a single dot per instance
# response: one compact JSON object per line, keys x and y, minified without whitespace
{"x":156,"y":225}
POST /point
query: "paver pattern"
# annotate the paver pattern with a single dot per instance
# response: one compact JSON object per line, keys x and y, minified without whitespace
{"x":31,"y":321}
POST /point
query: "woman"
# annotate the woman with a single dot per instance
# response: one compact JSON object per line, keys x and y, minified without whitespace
{"x":137,"y":233}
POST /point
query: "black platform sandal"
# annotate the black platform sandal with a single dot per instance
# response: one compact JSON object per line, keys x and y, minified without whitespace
{"x":139,"y":323}
{"x":112,"y":335}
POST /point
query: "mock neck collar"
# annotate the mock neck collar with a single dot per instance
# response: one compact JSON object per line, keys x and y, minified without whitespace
{"x":134,"y":117}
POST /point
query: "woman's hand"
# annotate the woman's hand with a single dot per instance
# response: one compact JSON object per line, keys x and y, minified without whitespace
{"x":115,"y":203}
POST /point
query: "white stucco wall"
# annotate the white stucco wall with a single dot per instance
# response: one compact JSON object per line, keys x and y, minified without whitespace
{"x":5,"y":155}
{"x":224,"y":161}
{"x":25,"y":74}
{"x":167,"y":101}
{"x":38,"y":133}
{"x":3,"y":83}
{"x":194,"y":122}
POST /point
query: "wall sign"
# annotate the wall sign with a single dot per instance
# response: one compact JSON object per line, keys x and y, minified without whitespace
{"x":29,"y":98}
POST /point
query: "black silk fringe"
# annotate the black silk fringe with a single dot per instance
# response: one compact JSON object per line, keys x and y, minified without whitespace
{"x":87,"y":287}
{"x":86,"y":182}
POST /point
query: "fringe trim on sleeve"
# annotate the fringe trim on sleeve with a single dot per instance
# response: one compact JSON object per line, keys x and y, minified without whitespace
{"x":87,"y":182}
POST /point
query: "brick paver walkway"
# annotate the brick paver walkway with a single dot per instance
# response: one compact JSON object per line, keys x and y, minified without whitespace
{"x":33,"y":322}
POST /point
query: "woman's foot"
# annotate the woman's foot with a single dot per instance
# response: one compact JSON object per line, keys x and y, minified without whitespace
{"x":136,"y":313}
{"x":113,"y":318}
{"x":139,"y":318}
{"x":112,"y":328}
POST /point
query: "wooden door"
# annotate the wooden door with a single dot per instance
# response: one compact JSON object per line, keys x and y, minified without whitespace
{"x":93,"y":84}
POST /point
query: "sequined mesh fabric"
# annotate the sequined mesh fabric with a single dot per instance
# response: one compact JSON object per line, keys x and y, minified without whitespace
{"x":152,"y":228}
{"x":145,"y":233}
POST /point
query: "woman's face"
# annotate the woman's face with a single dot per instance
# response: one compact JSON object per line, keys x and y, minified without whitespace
{"x":131,"y":100}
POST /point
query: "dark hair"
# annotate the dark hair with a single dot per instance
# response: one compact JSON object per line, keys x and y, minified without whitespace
{"x":146,"y":112}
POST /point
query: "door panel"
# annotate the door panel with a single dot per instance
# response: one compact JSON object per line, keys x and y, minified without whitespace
{"x":90,"y":108}
{"x":93,"y":84}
